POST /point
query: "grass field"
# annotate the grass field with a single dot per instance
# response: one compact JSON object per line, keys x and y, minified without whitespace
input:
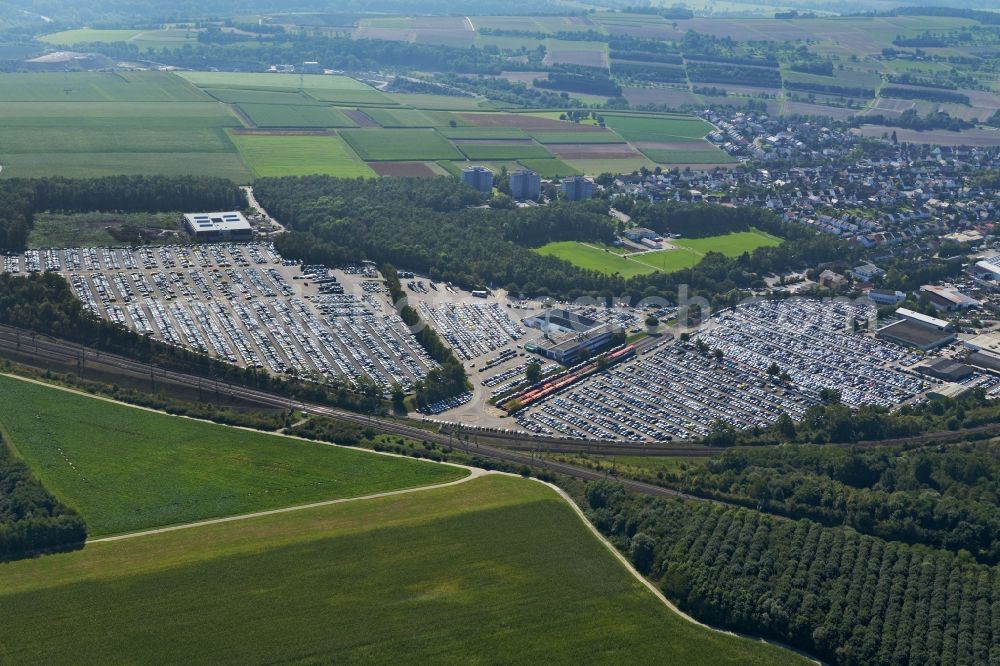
{"x":482,"y":133}
{"x":251,"y":96}
{"x":99,"y":87}
{"x":401,"y":118}
{"x":91,"y":229}
{"x":688,"y":253}
{"x":593,"y":167}
{"x":400,"y":145}
{"x":278,"y":155}
{"x":731,"y":245}
{"x":662,"y":128}
{"x":126,"y":469}
{"x":265,"y":81}
{"x":444,"y":102}
{"x":690,"y":152}
{"x":84,"y":35}
{"x":104,"y":138}
{"x":496,"y":570}
{"x":92,"y":165}
{"x":550,"y":168}
{"x":493,"y":151}
{"x":576,"y":137}
{"x":277,"y":115}
{"x":595,"y":259}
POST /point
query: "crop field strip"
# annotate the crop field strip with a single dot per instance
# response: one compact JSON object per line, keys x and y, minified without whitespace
{"x":495,"y":569}
{"x":127,"y":469}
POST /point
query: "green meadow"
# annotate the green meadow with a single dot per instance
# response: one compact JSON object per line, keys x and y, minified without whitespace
{"x":494,"y":570}
{"x":126,"y":469}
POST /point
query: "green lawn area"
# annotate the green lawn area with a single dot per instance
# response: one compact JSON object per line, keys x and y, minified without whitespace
{"x":277,"y":155}
{"x":400,"y":144}
{"x":658,"y":128}
{"x":496,"y":570}
{"x":669,"y":261}
{"x":98,"y":87}
{"x":594,"y":259}
{"x":731,"y":245}
{"x":351,"y":97}
{"x":513,"y":151}
{"x":278,"y":115}
{"x":126,"y":469}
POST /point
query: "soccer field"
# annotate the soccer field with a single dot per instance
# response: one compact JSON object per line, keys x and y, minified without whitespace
{"x":494,"y":570}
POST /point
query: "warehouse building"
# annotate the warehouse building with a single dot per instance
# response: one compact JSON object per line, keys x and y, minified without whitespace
{"x":947,"y":370}
{"x":567,"y":334}
{"x":886,"y":296}
{"x":918,"y":330}
{"x":525,"y":185}
{"x":224,"y":226}
{"x":948,"y":299}
{"x":478,"y":178}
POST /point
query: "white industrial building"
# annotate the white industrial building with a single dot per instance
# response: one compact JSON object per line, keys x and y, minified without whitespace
{"x":223,"y":226}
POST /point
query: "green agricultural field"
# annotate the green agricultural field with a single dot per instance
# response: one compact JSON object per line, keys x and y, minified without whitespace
{"x":514,"y":151}
{"x":92,"y":165}
{"x":400,"y":144}
{"x":550,"y":168}
{"x":658,"y":128}
{"x":91,"y":229}
{"x":277,"y":115}
{"x":495,"y":570}
{"x":442,"y":102}
{"x":353,"y":98}
{"x":127,"y":469}
{"x":731,"y":245}
{"x":85,"y":35}
{"x":594,"y":167}
{"x":401,"y":118}
{"x":699,"y":152}
{"x":98,"y":87}
{"x":472,"y":132}
{"x":105,"y":138}
{"x":252,"y":96}
{"x":570,"y":136}
{"x":593,"y":258}
{"x":266,"y":81}
{"x":281,"y":155}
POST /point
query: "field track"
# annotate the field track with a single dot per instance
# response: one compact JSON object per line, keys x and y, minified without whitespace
{"x":474,"y":473}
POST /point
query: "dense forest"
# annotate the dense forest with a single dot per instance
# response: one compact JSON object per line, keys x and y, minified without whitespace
{"x":31,"y":519}
{"x":20,"y":199}
{"x":436,"y":227}
{"x":845,"y":597}
{"x":947,"y":497}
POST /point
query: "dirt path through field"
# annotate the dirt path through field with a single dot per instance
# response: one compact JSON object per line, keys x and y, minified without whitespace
{"x":474,"y":473}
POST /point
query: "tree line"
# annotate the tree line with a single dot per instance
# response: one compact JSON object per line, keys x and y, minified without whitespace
{"x":449,"y":378}
{"x":845,"y":597}
{"x":31,"y":518}
{"x":944,"y":497}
